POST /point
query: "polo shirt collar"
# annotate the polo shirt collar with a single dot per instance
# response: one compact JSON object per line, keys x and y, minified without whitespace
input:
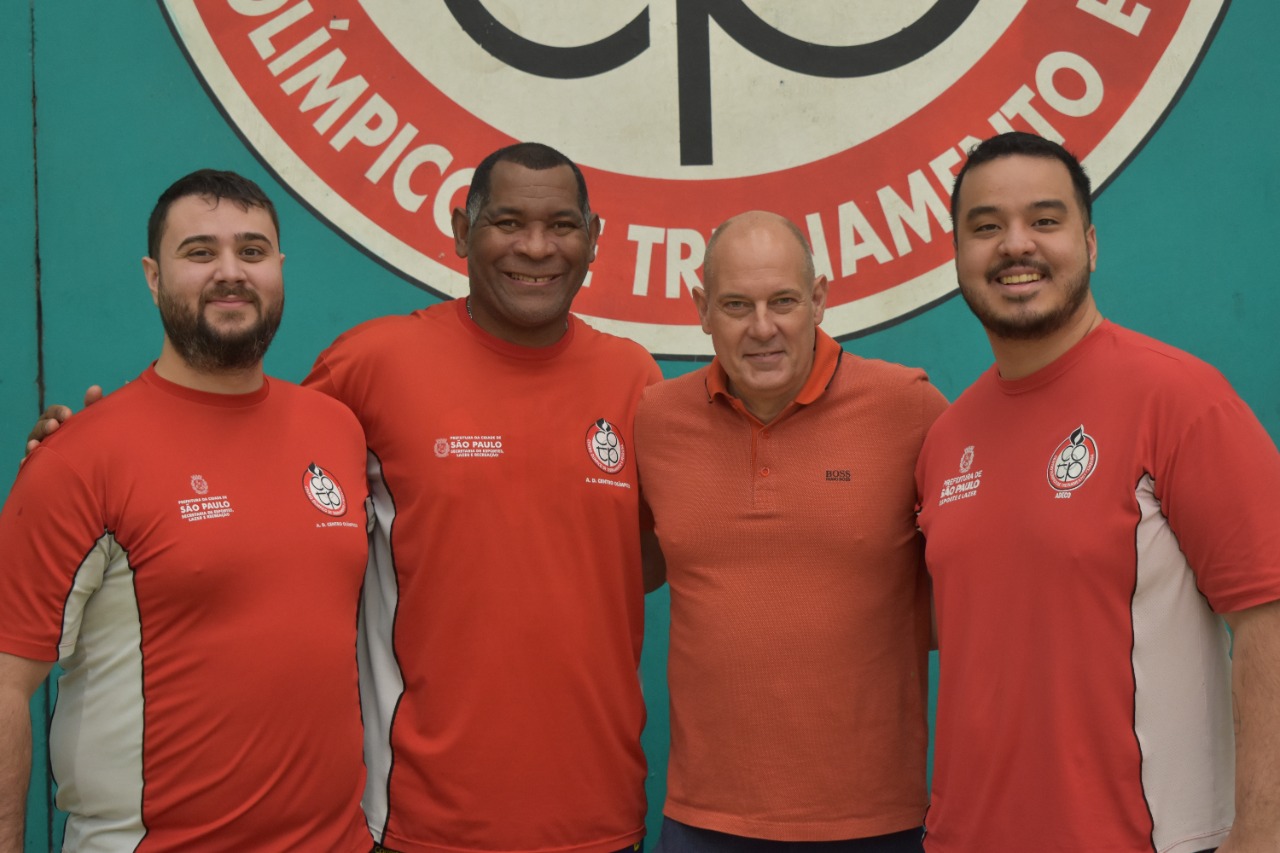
{"x":826,"y":358}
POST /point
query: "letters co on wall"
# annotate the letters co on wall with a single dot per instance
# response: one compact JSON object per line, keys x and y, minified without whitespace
{"x":683,"y":112}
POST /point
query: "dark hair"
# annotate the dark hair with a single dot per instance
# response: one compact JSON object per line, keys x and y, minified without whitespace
{"x":1026,"y":145}
{"x":207,"y":183}
{"x":531,"y":155}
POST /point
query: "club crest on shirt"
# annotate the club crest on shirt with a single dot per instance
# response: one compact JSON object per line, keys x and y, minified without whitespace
{"x":966,"y":460}
{"x":323,"y":490}
{"x":199,"y":485}
{"x":605,"y":447}
{"x":1073,"y":461}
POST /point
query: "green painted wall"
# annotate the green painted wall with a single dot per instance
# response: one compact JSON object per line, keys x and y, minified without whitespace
{"x":1186,"y":238}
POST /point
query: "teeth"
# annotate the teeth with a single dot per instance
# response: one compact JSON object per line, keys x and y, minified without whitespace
{"x":1020,"y":279}
{"x":532,"y":279}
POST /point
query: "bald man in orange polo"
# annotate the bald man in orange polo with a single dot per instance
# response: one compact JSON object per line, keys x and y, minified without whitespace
{"x":781,"y":481}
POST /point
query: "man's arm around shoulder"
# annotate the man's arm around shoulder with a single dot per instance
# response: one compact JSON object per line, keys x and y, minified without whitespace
{"x":19,"y":678}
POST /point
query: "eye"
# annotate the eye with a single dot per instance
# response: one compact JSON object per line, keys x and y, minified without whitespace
{"x":1045,"y":222}
{"x":200,"y":253}
{"x":564,"y":226}
{"x":786,"y":301}
{"x":254,"y":253}
{"x":507,"y":225}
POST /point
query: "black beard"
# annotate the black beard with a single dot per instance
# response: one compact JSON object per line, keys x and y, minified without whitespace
{"x":1034,"y":327}
{"x":207,"y":350}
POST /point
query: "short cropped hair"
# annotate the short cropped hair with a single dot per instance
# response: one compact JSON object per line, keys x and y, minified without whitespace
{"x":207,"y":183}
{"x":1026,"y":145}
{"x":531,"y":155}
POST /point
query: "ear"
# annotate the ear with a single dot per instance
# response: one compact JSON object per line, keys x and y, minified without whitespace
{"x":1091,"y":242}
{"x":151,"y":270}
{"x":461,"y":231}
{"x":594,"y":229}
{"x":819,"y":298}
{"x":704,"y":308}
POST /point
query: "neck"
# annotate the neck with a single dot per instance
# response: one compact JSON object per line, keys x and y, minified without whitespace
{"x":533,"y":339}
{"x":762,"y":410}
{"x":1017,"y":358}
{"x":171,"y":366}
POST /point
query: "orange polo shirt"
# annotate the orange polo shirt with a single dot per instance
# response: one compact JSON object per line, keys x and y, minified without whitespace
{"x":799,"y":607}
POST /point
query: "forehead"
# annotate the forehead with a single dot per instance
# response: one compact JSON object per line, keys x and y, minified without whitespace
{"x":514,"y":186}
{"x":757,"y":258}
{"x":196,"y":215}
{"x":1015,"y":182}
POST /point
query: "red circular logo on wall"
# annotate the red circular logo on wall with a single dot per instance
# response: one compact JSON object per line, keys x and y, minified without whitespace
{"x":851,"y":122}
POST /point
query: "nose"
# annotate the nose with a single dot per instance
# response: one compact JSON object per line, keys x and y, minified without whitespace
{"x":1018,"y":240}
{"x":230,"y":268}
{"x":761,"y":326}
{"x":534,"y":241}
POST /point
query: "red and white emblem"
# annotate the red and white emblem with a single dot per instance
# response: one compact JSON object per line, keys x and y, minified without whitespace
{"x":199,"y":485}
{"x":966,"y":460}
{"x":605,"y":447}
{"x":442,"y":447}
{"x":323,"y":491}
{"x":850,"y":122}
{"x":1073,"y":461}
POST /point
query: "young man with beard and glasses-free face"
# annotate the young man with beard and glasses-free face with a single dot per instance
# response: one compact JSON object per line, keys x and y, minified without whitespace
{"x":191,"y":552}
{"x":1098,"y":508}
{"x":780,"y":479}
{"x":503,"y":611}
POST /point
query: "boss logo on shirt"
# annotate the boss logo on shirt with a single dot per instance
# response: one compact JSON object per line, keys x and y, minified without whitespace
{"x":1072,"y":462}
{"x":323,"y":491}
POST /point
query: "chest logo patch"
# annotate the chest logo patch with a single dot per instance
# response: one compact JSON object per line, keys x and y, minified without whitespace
{"x":605,"y":447}
{"x":323,"y":490}
{"x":1073,"y":461}
{"x":205,"y":506}
{"x":963,"y":486}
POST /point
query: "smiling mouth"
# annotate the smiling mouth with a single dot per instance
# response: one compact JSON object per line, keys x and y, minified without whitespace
{"x":531,"y":279}
{"x":1023,"y":278}
{"x":230,"y":304}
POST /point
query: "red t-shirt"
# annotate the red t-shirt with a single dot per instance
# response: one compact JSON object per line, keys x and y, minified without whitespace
{"x":194,"y":562}
{"x":504,"y":613}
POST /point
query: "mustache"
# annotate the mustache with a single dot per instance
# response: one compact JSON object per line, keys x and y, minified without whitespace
{"x":1006,"y":265}
{"x":223,"y":291}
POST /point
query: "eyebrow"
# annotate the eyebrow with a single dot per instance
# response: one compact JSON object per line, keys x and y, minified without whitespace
{"x":241,"y":237}
{"x":738,"y":295}
{"x":989,"y":209}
